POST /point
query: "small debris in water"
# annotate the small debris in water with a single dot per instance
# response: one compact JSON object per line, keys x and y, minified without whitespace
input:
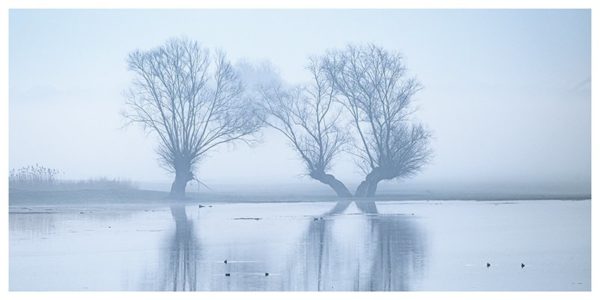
{"x":488,"y":265}
{"x":227,"y":274}
{"x":109,"y":227}
{"x":81,"y":213}
{"x":255,"y":219}
{"x":200,"y":206}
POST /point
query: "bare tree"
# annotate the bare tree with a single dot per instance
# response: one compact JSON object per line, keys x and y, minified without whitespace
{"x":377,"y":94}
{"x":307,"y":116}
{"x":192,"y":99}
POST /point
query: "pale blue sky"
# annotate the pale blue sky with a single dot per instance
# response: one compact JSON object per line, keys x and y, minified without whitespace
{"x":507,"y":92}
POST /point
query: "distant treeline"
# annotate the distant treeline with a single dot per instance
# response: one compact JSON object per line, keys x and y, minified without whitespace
{"x":37,"y":177}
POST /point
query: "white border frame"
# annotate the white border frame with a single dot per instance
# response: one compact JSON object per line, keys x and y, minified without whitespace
{"x":6,"y":5}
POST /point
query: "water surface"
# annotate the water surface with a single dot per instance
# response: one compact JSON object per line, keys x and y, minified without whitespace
{"x":397,"y":246}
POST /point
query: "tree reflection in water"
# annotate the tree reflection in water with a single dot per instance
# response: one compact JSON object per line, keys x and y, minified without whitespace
{"x":338,"y":251}
{"x":181,"y":267}
{"x":383,"y":253}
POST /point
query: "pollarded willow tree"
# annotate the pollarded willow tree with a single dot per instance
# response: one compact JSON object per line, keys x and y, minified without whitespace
{"x":192,"y":99}
{"x":377,"y":93}
{"x":307,"y":116}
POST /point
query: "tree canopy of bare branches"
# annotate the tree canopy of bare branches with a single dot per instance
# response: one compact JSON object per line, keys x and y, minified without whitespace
{"x":192,"y":99}
{"x":307,"y":116}
{"x":376,"y":92}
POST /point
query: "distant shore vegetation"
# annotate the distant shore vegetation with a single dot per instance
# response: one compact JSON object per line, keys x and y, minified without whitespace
{"x":41,"y":178}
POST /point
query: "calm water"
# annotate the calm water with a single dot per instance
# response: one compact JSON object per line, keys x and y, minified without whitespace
{"x":420,"y":245}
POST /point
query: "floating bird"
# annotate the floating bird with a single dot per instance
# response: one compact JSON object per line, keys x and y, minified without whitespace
{"x":227,"y":274}
{"x":522,"y":265}
{"x":225,"y":261}
{"x":488,"y":265}
{"x":266,"y":274}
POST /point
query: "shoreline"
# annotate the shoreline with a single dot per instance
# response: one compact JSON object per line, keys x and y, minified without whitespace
{"x":92,"y":197}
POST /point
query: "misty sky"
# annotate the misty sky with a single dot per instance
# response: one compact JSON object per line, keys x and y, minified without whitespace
{"x":506,"y":93}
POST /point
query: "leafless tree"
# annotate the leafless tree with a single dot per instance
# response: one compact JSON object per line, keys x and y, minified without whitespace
{"x":307,"y":117}
{"x":377,"y":93}
{"x":192,"y":99}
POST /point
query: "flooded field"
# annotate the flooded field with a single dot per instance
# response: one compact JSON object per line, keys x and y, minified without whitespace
{"x":382,"y":246}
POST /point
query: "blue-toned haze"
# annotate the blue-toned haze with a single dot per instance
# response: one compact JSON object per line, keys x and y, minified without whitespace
{"x":506,"y":92}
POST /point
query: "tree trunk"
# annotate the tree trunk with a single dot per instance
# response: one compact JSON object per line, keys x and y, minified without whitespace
{"x":340,"y":189}
{"x":178,"y":188}
{"x":368,"y":187}
{"x":182,"y":176}
{"x":372,"y":188}
{"x":361,"y":190}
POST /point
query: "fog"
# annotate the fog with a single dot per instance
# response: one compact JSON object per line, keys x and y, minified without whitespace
{"x":506,"y":93}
